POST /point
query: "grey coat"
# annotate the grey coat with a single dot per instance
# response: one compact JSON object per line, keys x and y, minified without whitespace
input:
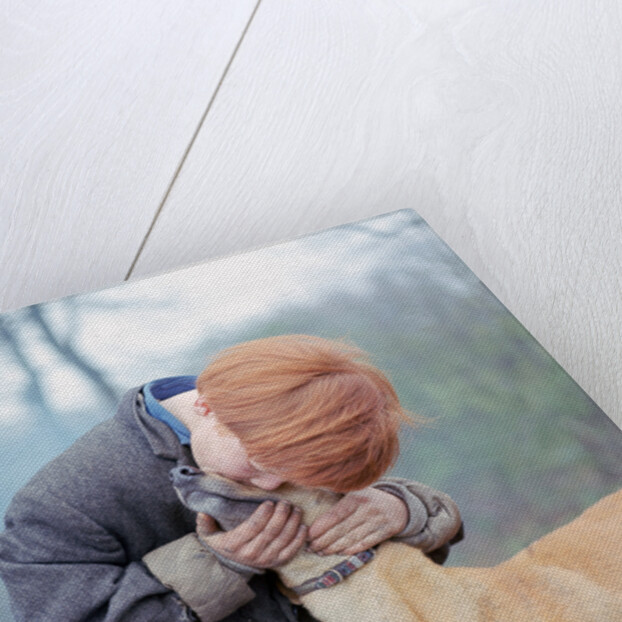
{"x":98,"y":534}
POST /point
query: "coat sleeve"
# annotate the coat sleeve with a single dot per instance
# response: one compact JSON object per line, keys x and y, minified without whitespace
{"x":187,"y":567}
{"x":59,"y":564}
{"x":434,"y":519}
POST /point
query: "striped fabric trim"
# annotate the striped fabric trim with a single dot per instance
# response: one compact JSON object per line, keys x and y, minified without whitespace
{"x":336,"y":574}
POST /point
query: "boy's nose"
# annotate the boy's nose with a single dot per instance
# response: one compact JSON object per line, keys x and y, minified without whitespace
{"x":183,"y":472}
{"x":267,"y":481}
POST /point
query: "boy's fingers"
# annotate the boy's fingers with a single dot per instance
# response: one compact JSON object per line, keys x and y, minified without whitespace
{"x":248,"y":530}
{"x":337,"y":514}
{"x":366,"y":543}
{"x":336,"y":533}
{"x":293,"y":547}
{"x":289,"y":531}
{"x":271,"y":531}
{"x":358,"y":540}
{"x":207,"y":524}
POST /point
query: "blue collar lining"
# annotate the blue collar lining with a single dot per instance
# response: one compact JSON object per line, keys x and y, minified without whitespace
{"x":163,"y":389}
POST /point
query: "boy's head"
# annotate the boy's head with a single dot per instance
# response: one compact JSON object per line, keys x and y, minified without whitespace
{"x":310,"y":409}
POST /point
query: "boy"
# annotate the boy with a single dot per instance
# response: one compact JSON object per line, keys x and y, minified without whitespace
{"x":98,"y":533}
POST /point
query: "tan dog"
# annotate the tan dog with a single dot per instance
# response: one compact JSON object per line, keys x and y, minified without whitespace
{"x":573,"y":574}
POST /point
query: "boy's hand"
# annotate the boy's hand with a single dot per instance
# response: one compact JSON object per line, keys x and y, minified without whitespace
{"x":270,"y":537}
{"x":357,"y":522}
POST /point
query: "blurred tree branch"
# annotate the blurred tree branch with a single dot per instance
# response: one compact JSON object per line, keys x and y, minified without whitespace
{"x":67,"y":350}
{"x":33,"y":392}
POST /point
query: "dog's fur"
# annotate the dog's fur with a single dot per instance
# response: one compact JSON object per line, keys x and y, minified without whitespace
{"x":573,"y":574}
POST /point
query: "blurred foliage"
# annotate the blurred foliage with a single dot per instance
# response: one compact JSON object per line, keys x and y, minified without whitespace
{"x":512,"y":438}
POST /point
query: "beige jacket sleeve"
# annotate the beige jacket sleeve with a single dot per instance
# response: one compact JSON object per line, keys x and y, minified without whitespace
{"x":434,"y":518}
{"x":210,"y":589}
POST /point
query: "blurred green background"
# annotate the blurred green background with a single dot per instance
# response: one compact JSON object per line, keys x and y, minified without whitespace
{"x":514,"y":441}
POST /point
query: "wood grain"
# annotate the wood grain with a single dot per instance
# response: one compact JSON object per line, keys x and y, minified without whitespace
{"x":499,"y":123}
{"x":98,"y":103}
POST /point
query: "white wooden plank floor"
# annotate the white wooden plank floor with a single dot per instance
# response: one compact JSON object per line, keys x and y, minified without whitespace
{"x":499,"y":122}
{"x":99,"y":102}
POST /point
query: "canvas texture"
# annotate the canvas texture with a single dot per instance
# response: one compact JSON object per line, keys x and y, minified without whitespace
{"x":510,"y":480}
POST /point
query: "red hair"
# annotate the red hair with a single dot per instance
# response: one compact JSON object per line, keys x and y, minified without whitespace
{"x":311,"y":410}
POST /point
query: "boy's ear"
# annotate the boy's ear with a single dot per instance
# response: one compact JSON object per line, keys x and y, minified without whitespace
{"x":201,"y":405}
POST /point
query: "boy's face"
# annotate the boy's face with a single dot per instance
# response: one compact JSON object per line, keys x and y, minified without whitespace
{"x":215,"y":449}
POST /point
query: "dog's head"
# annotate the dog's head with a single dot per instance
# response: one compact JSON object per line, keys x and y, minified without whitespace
{"x":231,"y":503}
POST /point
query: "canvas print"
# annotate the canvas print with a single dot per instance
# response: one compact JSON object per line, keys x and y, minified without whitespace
{"x":345,"y":426}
